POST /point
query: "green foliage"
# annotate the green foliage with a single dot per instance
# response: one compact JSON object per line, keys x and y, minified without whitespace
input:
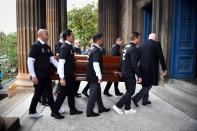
{"x":8,"y":49}
{"x":83,"y":22}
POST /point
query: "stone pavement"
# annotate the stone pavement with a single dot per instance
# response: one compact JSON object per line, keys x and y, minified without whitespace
{"x":159,"y":116}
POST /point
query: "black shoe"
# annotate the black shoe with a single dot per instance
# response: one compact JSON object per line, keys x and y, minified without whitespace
{"x":146,"y":103}
{"x":85,"y":93}
{"x":107,"y":94}
{"x":57,"y":116}
{"x":104,"y":110}
{"x":78,"y":95}
{"x":118,"y":93}
{"x":75,"y":112}
{"x":135,"y":103}
{"x":93,"y":114}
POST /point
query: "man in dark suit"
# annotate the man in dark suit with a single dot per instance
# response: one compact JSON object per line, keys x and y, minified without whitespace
{"x":66,"y":70}
{"x":116,"y":51}
{"x":39,"y":60}
{"x":150,"y":56}
{"x":59,"y":44}
{"x":57,"y":52}
{"x":77,"y":51}
{"x":85,"y":90}
{"x":129,"y":68}
{"x":94,"y":77}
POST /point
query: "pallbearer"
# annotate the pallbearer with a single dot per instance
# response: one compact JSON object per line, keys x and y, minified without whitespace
{"x":66,"y":71}
{"x":39,"y":60}
{"x":116,"y":51}
{"x":94,"y":77}
{"x":129,"y":69}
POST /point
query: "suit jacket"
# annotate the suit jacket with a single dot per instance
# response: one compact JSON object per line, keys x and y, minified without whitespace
{"x":115,"y":51}
{"x":57,"y":47}
{"x":150,"y":56}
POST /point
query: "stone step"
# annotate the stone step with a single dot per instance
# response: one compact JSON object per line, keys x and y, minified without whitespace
{"x":191,"y":97}
{"x":178,"y":98}
{"x":11,"y":123}
{"x":7,"y":103}
{"x":26,"y":122}
{"x":185,"y":86}
{"x":13,"y":109}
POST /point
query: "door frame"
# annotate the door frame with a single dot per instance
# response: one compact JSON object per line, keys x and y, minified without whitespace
{"x":147,"y":19}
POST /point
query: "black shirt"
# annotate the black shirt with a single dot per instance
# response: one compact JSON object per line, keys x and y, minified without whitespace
{"x":94,"y":56}
{"x":57,"y":47}
{"x":103,"y":50}
{"x":77,"y":50}
{"x":67,"y":53}
{"x":130,"y":59}
{"x":115,"y":50}
{"x":41,"y":53}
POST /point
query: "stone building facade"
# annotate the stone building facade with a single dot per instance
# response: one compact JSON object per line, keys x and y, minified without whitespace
{"x":173,"y":20}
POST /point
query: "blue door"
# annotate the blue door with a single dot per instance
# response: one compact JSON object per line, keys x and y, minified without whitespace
{"x":184,"y":39}
{"x":147,"y":21}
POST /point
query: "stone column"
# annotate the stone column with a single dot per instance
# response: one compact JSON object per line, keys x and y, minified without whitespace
{"x":56,"y":13}
{"x":166,"y":26}
{"x":28,"y":22}
{"x":156,"y":16}
{"x":62,"y":10}
{"x":109,"y":22}
{"x":126,"y":18}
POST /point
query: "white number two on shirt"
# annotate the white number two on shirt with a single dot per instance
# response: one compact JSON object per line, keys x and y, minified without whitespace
{"x":123,"y":55}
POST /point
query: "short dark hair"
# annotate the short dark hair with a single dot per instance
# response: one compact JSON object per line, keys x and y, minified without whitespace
{"x":119,"y":38}
{"x":66,"y":33}
{"x":97,"y":37}
{"x":134,"y":35}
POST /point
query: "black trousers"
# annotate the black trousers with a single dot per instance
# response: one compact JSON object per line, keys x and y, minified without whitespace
{"x":43,"y":98}
{"x":106,"y":90}
{"x":77,"y":84}
{"x":68,"y":90}
{"x":126,"y":98}
{"x":86,"y":87}
{"x":95,"y":96}
{"x":143,"y":94}
{"x":57,"y":90}
{"x":43,"y":86}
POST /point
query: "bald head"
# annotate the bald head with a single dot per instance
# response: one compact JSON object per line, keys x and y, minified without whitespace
{"x":77,"y":43}
{"x":43,"y":34}
{"x":153,"y":36}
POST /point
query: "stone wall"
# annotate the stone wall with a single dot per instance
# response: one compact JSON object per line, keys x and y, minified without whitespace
{"x":132,"y":19}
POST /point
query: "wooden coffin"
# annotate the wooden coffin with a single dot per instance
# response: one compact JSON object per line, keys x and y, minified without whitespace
{"x":111,"y":66}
